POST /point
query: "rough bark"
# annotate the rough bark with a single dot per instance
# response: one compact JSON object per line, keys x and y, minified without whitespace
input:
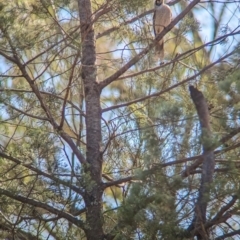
{"x":208,"y":164}
{"x":93,"y":168}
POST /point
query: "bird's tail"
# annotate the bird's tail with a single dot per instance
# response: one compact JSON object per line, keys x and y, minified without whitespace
{"x":160,"y":49}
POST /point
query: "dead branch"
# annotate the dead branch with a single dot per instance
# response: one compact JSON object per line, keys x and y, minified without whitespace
{"x":207,"y":166}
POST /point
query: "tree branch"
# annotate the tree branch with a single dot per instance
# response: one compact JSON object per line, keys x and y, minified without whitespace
{"x":223,"y":140}
{"x":68,"y":89}
{"x":217,"y":219}
{"x":135,"y":59}
{"x":185,"y":174}
{"x":45,"y":93}
{"x":110,"y":30}
{"x":225,"y":236}
{"x":170,"y":88}
{"x":26,"y":112}
{"x":39,"y":172}
{"x":50,"y":209}
{"x":63,"y":134}
{"x":182,"y":56}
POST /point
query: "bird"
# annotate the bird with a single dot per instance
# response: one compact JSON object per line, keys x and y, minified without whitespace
{"x":161,"y":18}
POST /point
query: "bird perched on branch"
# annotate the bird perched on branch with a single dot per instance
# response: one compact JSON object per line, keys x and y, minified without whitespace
{"x":161,"y":18}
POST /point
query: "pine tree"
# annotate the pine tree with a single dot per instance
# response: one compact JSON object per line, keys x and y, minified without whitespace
{"x":101,"y":141}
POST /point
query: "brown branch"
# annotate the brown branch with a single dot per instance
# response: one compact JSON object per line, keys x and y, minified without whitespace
{"x":222,"y":219}
{"x":11,"y":59}
{"x":107,"y":32}
{"x":117,"y":182}
{"x":181,"y":56}
{"x":223,"y":140}
{"x":170,"y":88}
{"x":156,"y":167}
{"x":101,"y":11}
{"x":186,"y":173}
{"x":17,"y":231}
{"x":110,"y":30}
{"x":62,"y":30}
{"x":46,"y":93}
{"x":227,"y":148}
{"x":25,"y":112}
{"x":135,"y":59}
{"x":78,"y":212}
{"x":50,"y":47}
{"x":225,"y":236}
{"x":39,"y":172}
{"x":217,"y":219}
{"x":35,"y":89}
{"x":68,"y":89}
{"x":10,"y":76}
{"x":32,"y":84}
{"x":50,"y":209}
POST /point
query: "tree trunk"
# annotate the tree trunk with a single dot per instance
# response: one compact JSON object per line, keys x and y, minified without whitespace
{"x":93,"y":194}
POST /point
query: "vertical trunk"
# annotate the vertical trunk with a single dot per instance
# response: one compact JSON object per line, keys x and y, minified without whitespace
{"x":207,"y":166}
{"x":93,"y":194}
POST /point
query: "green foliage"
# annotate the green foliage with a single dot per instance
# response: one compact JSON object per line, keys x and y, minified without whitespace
{"x":133,"y":6}
{"x":187,"y":24}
